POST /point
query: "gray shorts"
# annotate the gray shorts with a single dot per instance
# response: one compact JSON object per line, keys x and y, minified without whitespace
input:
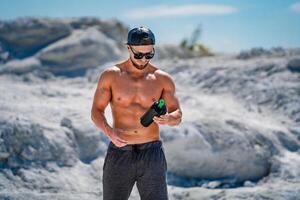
{"x":144,"y":164}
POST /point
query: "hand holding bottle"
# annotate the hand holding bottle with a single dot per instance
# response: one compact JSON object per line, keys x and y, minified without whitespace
{"x":158,"y":108}
{"x":163,"y":119}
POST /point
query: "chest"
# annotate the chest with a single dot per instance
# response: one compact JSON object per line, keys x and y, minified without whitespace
{"x":127,"y":90}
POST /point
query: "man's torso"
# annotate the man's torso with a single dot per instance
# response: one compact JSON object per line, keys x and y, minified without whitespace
{"x":131,"y":98}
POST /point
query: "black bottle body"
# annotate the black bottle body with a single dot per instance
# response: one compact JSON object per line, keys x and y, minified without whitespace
{"x":154,"y":110}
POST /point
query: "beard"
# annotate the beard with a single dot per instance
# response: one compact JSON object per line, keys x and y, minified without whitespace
{"x":140,"y":67}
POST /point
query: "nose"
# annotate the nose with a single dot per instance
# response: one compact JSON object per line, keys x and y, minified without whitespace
{"x":144,"y":59}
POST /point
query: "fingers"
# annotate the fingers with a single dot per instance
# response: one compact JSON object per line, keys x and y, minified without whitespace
{"x":120,"y":144}
{"x":160,"y":120}
{"x":116,"y":139}
{"x":164,"y":116}
{"x":121,"y":140}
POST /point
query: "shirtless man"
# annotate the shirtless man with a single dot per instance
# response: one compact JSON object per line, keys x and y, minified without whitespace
{"x":135,"y":153}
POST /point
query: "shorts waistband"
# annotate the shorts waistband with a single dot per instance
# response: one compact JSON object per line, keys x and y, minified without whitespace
{"x":141,"y":146}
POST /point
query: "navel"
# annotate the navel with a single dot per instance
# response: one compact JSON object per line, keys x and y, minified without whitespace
{"x":135,"y":131}
{"x":119,"y":98}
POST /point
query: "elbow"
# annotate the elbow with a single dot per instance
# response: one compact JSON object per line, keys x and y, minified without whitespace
{"x":177,"y":122}
{"x":180,"y":118}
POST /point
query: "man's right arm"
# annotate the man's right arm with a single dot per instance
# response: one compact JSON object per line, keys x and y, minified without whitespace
{"x":102,"y":97}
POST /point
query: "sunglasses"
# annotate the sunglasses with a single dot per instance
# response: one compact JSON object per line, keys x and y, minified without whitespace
{"x":139,"y":55}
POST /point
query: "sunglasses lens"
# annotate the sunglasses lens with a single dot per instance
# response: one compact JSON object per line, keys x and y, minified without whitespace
{"x":149,"y":56}
{"x":141,"y":55}
{"x":138,"y":55}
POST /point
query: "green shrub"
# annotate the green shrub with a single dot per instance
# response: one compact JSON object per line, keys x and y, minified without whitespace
{"x":193,"y":44}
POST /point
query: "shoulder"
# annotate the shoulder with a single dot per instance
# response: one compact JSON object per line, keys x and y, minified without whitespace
{"x":108,"y":75}
{"x":162,"y":74}
{"x":165,"y":79}
{"x":109,"y":72}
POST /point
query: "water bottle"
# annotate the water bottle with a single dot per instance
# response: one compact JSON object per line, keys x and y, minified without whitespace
{"x":157,"y":108}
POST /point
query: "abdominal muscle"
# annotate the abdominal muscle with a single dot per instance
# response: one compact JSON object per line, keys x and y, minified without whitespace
{"x":128,"y":119}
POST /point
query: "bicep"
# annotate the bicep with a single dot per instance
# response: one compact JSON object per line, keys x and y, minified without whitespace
{"x":170,"y":97}
{"x":102,"y":94}
{"x":101,"y":98}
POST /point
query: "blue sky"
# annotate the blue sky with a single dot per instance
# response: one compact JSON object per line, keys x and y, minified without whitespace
{"x":227,"y":25}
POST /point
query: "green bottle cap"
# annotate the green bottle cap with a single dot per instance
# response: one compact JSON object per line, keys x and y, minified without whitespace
{"x":161,"y":103}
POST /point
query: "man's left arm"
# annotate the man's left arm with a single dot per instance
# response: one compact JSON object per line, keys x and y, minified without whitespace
{"x":174,"y":115}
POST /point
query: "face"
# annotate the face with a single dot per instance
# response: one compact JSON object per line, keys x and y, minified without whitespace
{"x":145,"y":51}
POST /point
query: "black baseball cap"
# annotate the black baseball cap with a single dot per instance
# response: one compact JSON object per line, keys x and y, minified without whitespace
{"x":140,"y":36}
